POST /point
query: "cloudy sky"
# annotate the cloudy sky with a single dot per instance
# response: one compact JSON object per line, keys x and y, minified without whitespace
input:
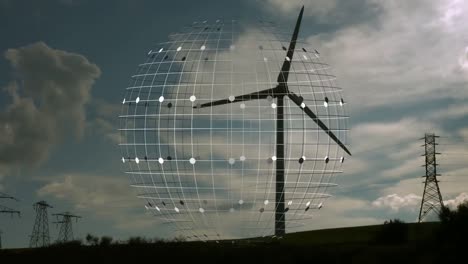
{"x":65,"y":63}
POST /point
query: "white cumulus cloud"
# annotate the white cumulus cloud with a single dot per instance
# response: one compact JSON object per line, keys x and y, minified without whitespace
{"x":396,"y":202}
{"x":453,"y":203}
{"x":48,"y":101}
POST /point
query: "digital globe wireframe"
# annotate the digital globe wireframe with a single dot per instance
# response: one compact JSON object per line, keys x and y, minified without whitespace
{"x":220,"y":144}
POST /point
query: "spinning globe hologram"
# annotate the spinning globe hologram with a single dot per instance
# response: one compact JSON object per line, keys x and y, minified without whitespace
{"x":232,"y":130}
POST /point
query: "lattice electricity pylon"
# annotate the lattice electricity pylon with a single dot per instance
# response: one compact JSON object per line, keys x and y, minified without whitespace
{"x":432,"y":198}
{"x":7,"y":210}
{"x":40,"y":235}
{"x":66,"y":230}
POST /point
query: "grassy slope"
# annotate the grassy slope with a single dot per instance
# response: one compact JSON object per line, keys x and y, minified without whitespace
{"x":343,"y":245}
{"x":356,"y":235}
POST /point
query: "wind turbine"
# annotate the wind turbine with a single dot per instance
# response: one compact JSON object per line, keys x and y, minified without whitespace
{"x":279,"y":92}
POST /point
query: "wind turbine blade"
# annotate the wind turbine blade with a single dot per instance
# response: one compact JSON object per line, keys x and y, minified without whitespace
{"x":284,"y":73}
{"x":246,"y":97}
{"x":298,"y":102}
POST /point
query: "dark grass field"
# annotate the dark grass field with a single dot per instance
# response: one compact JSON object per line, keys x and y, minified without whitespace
{"x":421,"y":243}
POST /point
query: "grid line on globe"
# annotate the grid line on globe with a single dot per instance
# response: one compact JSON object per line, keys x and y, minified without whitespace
{"x":209,"y":172}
